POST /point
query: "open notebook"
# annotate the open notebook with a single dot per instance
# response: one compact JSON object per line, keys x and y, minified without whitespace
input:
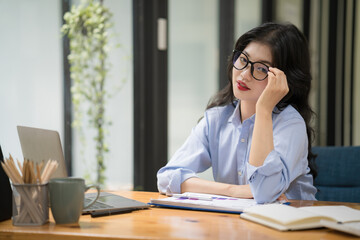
{"x":42,"y":144}
{"x":285,"y":218}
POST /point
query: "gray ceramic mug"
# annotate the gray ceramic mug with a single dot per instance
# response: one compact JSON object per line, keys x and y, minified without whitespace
{"x":67,"y":198}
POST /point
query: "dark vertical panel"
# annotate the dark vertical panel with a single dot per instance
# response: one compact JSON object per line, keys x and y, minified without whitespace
{"x":5,"y":193}
{"x":306,"y":18}
{"x":150,"y":94}
{"x":226,"y":38}
{"x":316,"y":23}
{"x":352,"y":68}
{"x":67,"y":95}
{"x":331,"y":72}
{"x":267,"y":13}
{"x":342,"y":63}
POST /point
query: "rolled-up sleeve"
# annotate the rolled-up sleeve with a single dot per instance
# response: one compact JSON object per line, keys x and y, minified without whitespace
{"x":193,"y":157}
{"x":285,"y":163}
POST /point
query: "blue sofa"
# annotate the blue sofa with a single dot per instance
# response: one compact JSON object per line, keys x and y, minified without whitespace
{"x":338,"y":171}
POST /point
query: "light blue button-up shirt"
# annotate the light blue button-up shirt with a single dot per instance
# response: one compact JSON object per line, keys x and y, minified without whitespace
{"x":221,"y":141}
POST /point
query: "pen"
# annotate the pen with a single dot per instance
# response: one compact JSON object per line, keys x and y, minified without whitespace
{"x":112,"y":212}
{"x":192,"y":196}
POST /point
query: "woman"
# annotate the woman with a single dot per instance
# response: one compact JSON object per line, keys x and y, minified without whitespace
{"x":256,"y":132}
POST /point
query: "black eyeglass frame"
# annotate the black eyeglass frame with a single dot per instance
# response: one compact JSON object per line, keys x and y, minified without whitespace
{"x":248,"y":61}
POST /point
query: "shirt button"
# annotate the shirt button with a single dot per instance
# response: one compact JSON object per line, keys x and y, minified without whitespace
{"x":242,"y":140}
{"x":240,"y":173}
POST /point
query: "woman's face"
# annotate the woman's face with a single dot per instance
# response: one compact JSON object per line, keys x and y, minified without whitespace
{"x":245,"y":87}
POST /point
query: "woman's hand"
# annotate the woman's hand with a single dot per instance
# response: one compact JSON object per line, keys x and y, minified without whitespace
{"x":276,"y":89}
{"x":283,"y":198}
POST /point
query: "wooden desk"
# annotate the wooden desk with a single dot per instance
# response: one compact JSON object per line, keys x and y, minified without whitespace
{"x":161,"y":223}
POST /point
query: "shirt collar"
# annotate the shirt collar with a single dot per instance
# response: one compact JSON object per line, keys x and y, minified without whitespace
{"x":235,"y":117}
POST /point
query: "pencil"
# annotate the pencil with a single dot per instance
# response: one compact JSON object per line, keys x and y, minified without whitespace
{"x":45,"y":170}
{"x":19,"y":164}
{"x":38,"y":173}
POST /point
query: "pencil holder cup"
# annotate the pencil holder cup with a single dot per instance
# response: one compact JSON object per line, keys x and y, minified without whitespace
{"x":30,"y":205}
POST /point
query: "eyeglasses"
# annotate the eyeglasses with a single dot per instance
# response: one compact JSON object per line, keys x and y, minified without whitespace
{"x":258,"y":70}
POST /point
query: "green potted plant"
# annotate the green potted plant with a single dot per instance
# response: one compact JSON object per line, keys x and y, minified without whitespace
{"x":87,"y":27}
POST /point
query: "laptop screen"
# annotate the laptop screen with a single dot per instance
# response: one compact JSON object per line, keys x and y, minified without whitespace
{"x":41,"y":145}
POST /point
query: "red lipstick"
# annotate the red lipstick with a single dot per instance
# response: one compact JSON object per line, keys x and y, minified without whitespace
{"x":242,"y":86}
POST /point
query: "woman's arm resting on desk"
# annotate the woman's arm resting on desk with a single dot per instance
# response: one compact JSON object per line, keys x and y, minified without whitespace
{"x":204,"y":186}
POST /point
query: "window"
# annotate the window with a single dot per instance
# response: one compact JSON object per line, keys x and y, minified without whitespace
{"x":193,"y":65}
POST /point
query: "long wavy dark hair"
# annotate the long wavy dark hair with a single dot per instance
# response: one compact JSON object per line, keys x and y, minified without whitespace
{"x":290,"y":53}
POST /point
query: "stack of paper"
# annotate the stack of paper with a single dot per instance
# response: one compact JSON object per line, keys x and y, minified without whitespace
{"x":206,"y":202}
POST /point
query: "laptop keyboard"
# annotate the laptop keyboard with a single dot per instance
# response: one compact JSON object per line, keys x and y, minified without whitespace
{"x":108,"y":202}
{"x":96,"y":205}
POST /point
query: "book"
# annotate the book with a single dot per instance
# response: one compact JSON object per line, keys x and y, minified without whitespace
{"x":350,"y":227}
{"x":204,"y":202}
{"x":284,"y":217}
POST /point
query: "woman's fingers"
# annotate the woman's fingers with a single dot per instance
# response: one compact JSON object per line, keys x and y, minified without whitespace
{"x":276,"y":89}
{"x":283,"y":198}
{"x":278,"y":80}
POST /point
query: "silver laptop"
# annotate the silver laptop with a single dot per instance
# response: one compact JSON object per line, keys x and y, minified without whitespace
{"x":42,"y":144}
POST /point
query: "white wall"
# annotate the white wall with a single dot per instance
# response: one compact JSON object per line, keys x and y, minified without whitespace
{"x":32,"y":82}
{"x":31,"y":87}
